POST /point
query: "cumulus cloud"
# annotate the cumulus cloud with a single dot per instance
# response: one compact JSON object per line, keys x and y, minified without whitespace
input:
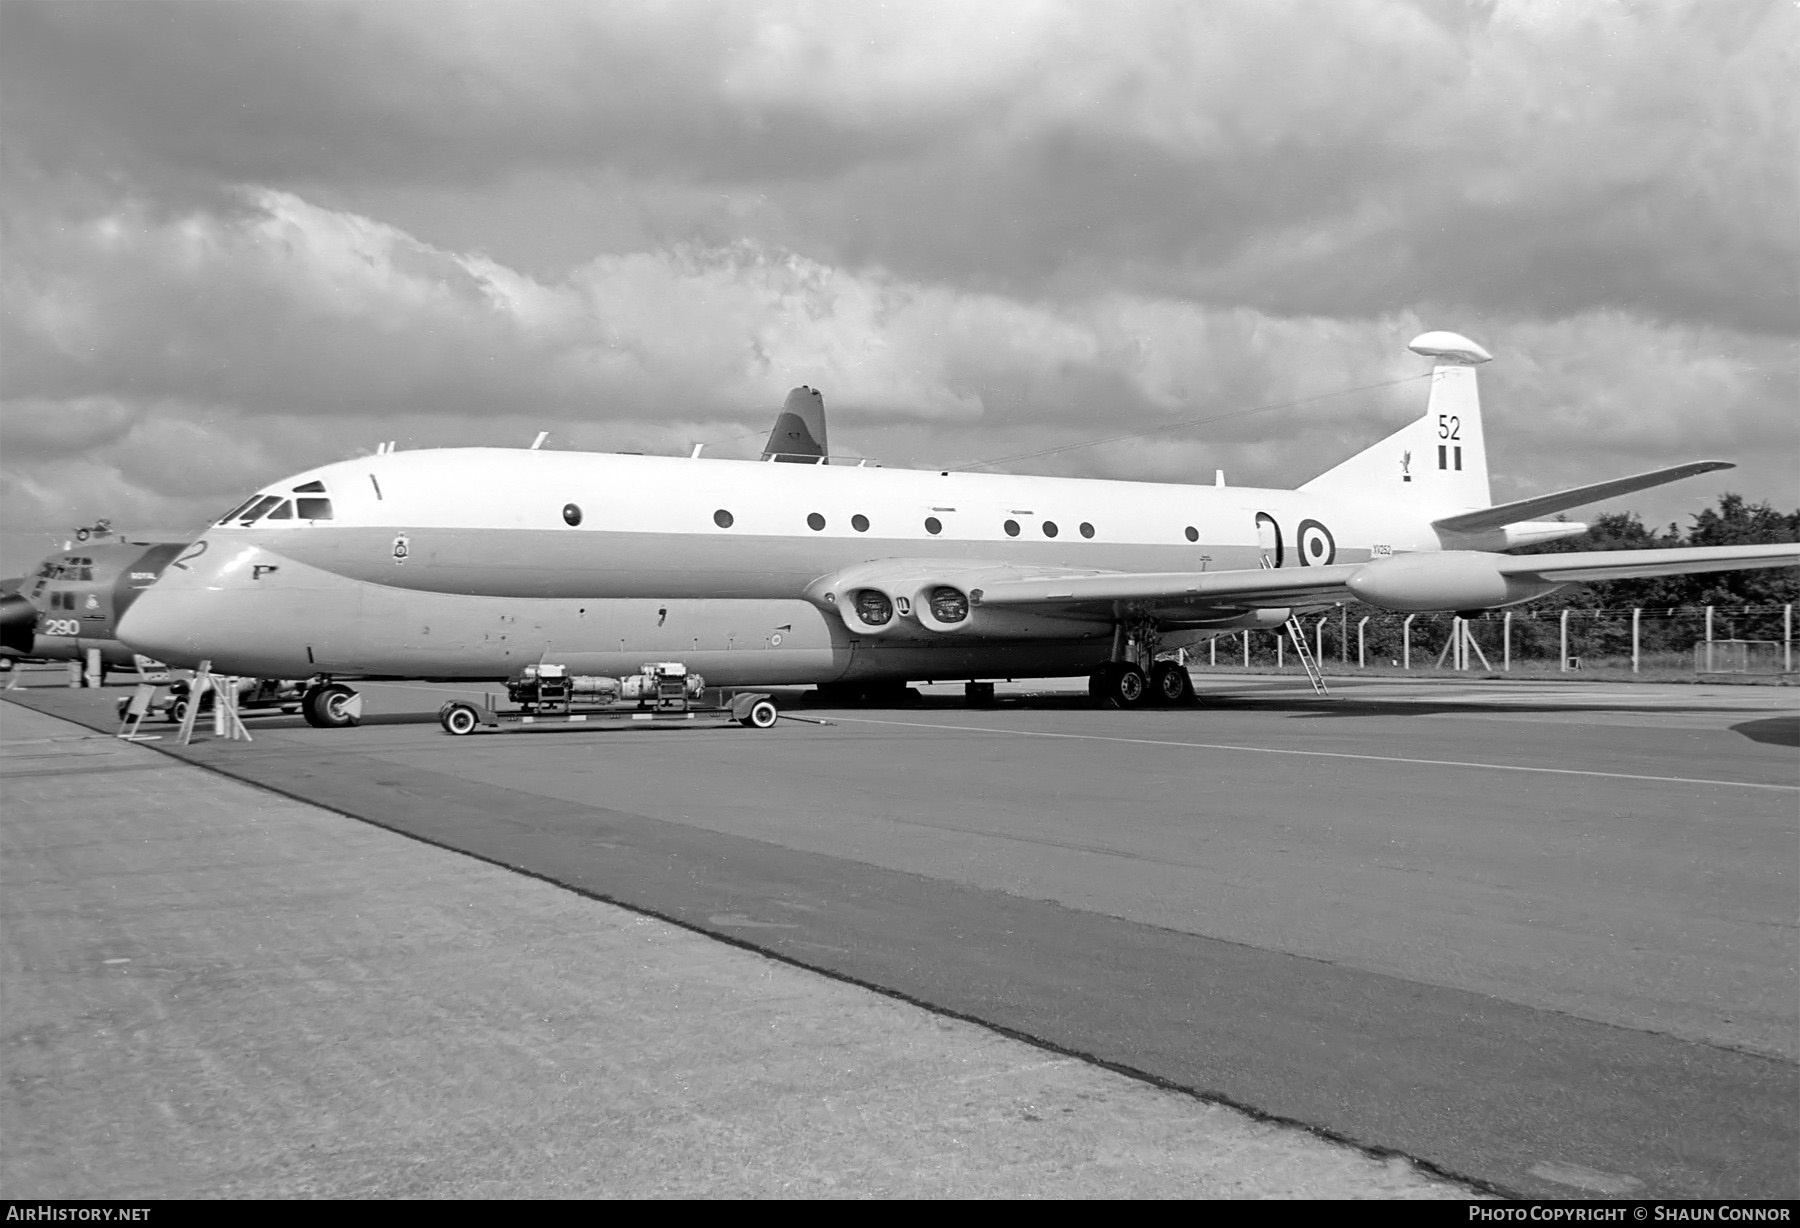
{"x":254,"y":237}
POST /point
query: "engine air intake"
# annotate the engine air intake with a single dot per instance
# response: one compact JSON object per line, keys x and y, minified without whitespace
{"x":948,"y":605}
{"x":873,"y":607}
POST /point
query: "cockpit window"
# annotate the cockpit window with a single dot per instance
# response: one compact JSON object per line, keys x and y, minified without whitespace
{"x":239,"y":510}
{"x":284,"y":512}
{"x":311,"y":488}
{"x":313,"y":509}
{"x":256,"y":509}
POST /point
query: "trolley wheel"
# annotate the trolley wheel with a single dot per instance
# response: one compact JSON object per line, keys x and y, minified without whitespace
{"x":459,"y":719}
{"x":762,"y":715}
{"x":177,"y":710}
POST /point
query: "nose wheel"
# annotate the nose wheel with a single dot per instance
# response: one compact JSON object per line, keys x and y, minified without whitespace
{"x":332,"y":706}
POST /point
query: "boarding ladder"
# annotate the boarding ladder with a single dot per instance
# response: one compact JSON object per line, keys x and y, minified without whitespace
{"x":1298,"y":635}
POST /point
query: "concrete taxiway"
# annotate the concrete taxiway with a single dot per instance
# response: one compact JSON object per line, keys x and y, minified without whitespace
{"x":1538,"y":936}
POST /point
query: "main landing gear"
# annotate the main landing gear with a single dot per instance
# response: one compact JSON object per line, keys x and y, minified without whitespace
{"x":1120,"y":684}
{"x":331,"y":705}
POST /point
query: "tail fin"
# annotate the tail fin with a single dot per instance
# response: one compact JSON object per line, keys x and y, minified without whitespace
{"x":799,"y":434}
{"x":1438,"y":462}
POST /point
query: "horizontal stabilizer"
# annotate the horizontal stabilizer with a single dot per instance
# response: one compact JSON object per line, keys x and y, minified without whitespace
{"x":1562,"y":500}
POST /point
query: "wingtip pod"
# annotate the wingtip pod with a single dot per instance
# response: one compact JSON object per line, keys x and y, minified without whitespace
{"x":1449,"y":347}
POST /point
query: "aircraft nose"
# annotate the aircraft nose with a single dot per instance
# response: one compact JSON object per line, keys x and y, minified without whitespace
{"x":161,"y":624}
{"x":18,"y":624}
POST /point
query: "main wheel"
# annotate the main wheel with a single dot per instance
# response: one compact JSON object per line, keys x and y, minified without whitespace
{"x":1121,"y":686}
{"x":762,"y":715}
{"x":459,"y":719}
{"x":177,"y":710}
{"x":324,"y":706}
{"x":1171,"y":684}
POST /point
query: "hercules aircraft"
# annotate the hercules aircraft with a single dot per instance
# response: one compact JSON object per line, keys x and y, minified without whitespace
{"x":473,"y":563}
{"x":69,"y":608}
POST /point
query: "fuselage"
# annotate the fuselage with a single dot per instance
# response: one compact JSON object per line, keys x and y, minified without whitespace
{"x":475,"y":562}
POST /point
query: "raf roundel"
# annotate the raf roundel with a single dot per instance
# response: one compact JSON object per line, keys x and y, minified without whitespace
{"x":1317,"y":547}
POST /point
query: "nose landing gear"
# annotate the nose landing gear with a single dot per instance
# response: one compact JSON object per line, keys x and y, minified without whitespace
{"x":331,"y":706}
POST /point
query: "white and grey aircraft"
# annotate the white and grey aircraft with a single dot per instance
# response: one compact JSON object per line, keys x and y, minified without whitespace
{"x":473,"y":563}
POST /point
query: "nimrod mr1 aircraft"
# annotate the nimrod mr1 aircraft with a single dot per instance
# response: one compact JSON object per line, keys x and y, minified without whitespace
{"x":473,"y":563}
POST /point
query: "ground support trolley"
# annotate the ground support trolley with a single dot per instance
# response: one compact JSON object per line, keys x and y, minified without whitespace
{"x":665,"y":694}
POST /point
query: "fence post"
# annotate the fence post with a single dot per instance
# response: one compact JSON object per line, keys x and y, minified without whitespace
{"x":1246,"y":648}
{"x":1212,"y":647}
{"x":1563,"y":663}
{"x":1709,"y":634}
{"x":1506,"y":642}
{"x":1362,"y":660}
{"x":1319,"y":639}
{"x":1406,"y":642}
{"x":1787,"y":638}
{"x":1280,"y":651}
{"x":1636,"y":614}
{"x":1343,"y":634}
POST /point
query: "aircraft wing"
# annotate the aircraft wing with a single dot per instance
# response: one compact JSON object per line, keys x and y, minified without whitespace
{"x":1623,"y":564}
{"x":1446,"y":580}
{"x":990,"y":596}
{"x":1577,"y":496}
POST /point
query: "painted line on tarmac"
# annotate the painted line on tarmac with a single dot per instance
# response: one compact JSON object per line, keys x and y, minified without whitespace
{"x":1325,"y":754}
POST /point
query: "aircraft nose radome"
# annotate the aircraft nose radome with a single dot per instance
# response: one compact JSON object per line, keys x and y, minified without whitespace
{"x":161,"y":624}
{"x":18,"y":623}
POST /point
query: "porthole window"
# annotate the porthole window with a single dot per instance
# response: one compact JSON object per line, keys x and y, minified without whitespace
{"x":1012,"y":528}
{"x":860,"y":523}
{"x":815,"y":522}
{"x":1087,"y":530}
{"x":571,"y":515}
{"x":1049,"y":528}
{"x":933,"y":525}
{"x":722,"y":518}
{"x":1193,"y":534}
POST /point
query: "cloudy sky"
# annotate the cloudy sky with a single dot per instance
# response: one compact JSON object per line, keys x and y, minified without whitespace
{"x":242,"y":239}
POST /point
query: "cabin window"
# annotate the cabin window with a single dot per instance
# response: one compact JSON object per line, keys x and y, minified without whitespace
{"x":815,"y":522}
{"x":571,"y":514}
{"x":1087,"y":530}
{"x":284,"y":512}
{"x":1049,"y":528}
{"x":311,"y":488}
{"x":1011,"y":527}
{"x":320,"y":509}
{"x":722,"y":518}
{"x":860,"y":523}
{"x":933,"y":525}
{"x":1192,"y":533}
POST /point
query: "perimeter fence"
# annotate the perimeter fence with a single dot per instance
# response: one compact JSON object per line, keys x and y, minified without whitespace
{"x":1563,"y":639}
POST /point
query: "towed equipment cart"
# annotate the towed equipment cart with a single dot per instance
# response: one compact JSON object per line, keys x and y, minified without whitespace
{"x":663,"y":693}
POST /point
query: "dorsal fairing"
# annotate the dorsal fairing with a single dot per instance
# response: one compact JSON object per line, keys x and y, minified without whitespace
{"x":799,"y":434}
